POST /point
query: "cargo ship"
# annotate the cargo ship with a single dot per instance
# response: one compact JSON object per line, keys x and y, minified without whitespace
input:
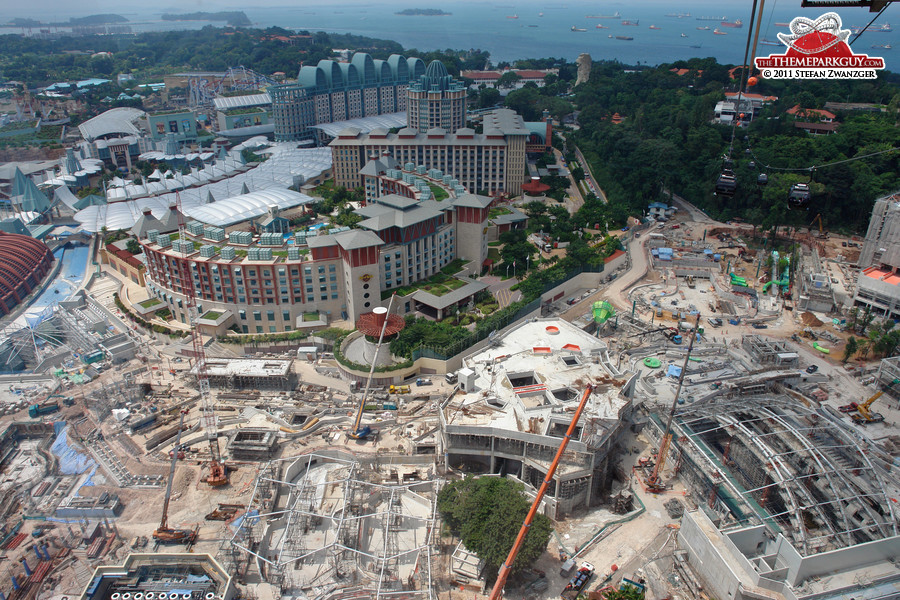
{"x":782,"y":24}
{"x":704,"y":28}
{"x":615,"y":16}
{"x":577,"y":29}
{"x":624,"y":37}
{"x":882,"y":46}
{"x":679,"y":15}
{"x":766,"y":42}
{"x":717,"y":32}
{"x":655,"y":27}
{"x":635,"y":23}
{"x":736,"y":23}
{"x":599,"y":26}
{"x":712,"y":18}
{"x":886,"y":28}
{"x":513,"y":17}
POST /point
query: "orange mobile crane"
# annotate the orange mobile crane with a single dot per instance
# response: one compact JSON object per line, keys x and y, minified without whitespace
{"x":526,"y":525}
{"x":654,"y":481}
{"x":165,"y":534}
{"x":218,"y":473}
{"x":358,"y":431}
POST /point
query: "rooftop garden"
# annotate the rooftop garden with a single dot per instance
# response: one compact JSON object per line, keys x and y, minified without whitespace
{"x":150,"y":302}
{"x":244,"y":111}
{"x":309,"y":317}
{"x":438,"y":192}
{"x":497,"y":211}
{"x":438,"y":285}
{"x":212,"y":315}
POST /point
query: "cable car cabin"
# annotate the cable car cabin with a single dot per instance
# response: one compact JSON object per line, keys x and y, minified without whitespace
{"x":798,"y":198}
{"x":762,"y":179}
{"x":726,"y":184}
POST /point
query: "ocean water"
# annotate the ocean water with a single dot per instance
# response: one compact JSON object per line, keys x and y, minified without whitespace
{"x":542,"y":29}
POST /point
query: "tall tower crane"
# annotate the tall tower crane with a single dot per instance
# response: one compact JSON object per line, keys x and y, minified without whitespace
{"x":218,"y":474}
{"x":654,"y":481}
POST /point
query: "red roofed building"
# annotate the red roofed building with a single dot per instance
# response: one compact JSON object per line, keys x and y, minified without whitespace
{"x":123,"y":261}
{"x":821,"y":121}
{"x":490,"y":78}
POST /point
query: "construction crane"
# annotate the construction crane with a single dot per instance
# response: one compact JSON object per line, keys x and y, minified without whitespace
{"x":864,"y":416}
{"x":358,"y":431}
{"x":218,"y":473}
{"x":818,"y":218}
{"x":654,"y":481}
{"x":165,"y":534}
{"x":506,"y":568}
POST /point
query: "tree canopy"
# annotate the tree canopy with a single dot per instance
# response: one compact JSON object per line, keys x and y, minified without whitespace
{"x":486,"y":513}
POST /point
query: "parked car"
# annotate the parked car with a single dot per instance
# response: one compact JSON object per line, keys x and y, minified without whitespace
{"x":760,"y":326}
{"x":812,"y":369}
{"x":715,"y":322}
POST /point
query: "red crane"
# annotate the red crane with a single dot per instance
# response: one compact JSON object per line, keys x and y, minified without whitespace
{"x":218,"y":474}
{"x":165,"y":534}
{"x":526,"y":525}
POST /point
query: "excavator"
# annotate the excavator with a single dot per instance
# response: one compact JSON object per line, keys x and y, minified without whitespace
{"x":165,"y":534}
{"x":818,"y":219}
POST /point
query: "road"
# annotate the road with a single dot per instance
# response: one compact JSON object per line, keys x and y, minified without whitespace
{"x":615,"y":292}
{"x":500,"y":289}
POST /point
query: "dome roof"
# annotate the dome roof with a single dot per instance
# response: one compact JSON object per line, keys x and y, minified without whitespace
{"x":23,"y":262}
{"x":436,"y":70}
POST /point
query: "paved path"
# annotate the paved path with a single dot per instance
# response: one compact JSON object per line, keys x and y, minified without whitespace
{"x":500,"y":289}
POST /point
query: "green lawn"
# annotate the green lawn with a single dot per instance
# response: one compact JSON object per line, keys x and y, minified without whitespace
{"x":494,"y":255}
{"x":497,"y":211}
{"x":150,"y":302}
{"x":454,"y":267}
{"x":438,"y":192}
{"x":211,"y":315}
{"x":438,"y":284}
{"x":310,"y":316}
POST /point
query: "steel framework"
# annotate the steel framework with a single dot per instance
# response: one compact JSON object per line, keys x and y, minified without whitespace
{"x":335,"y":528}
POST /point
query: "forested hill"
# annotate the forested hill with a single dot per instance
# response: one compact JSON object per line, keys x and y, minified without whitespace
{"x":668,"y":141}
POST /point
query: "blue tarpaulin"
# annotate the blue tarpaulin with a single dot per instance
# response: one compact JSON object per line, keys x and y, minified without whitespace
{"x":673,"y":371}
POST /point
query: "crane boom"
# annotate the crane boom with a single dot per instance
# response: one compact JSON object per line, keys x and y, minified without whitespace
{"x":526,"y":525}
{"x":356,"y":431}
{"x":218,"y":473}
{"x":164,"y":522}
{"x":654,"y":482}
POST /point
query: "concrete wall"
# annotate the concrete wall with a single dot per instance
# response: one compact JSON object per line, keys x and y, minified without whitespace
{"x":706,"y":559}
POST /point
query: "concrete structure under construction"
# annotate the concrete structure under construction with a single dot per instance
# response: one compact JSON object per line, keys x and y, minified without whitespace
{"x":878,"y":284}
{"x":173,"y":576}
{"x":791,"y":505}
{"x":249,"y":373}
{"x":516,"y":402}
{"x":770,"y":352}
{"x":253,"y":443}
{"x":327,"y":524}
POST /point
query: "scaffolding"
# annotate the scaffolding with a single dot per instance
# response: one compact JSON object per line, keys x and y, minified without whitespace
{"x":331,"y":527}
{"x":769,"y":459}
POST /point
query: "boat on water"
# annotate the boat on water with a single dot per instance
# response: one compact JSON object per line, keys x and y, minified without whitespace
{"x":736,"y":23}
{"x":624,"y":37}
{"x":704,"y":28}
{"x":634,"y":23}
{"x":886,"y":28}
{"x":683,"y":35}
{"x":599,"y":26}
{"x":696,"y":45}
{"x":577,"y":28}
{"x":512,"y":17}
{"x":712,"y":18}
{"x":532,"y":25}
{"x":882,"y":46}
{"x":540,"y":14}
{"x":655,"y":27}
{"x":717,"y":32}
{"x":766,"y":42}
{"x":782,"y":24}
{"x":679,"y":15}
{"x":614,"y":16}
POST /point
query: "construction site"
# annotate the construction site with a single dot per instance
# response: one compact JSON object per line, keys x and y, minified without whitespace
{"x":692,"y":433}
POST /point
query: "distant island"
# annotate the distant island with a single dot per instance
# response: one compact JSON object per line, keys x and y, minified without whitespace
{"x":233,"y":18}
{"x":104,"y":19}
{"x":423,"y":12}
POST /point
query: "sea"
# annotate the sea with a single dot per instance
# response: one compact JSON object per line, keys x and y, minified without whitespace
{"x":663,"y":31}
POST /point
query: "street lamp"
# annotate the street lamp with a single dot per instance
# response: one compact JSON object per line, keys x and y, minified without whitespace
{"x":507,"y":271}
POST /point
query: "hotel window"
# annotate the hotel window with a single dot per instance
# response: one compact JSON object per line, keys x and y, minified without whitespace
{"x":257,"y":316}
